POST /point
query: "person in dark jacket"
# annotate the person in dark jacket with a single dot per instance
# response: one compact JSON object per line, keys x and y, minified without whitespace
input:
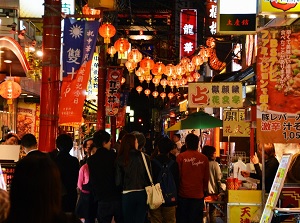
{"x":271,"y":165}
{"x":166,"y":213}
{"x":35,"y":193}
{"x":132,"y":177}
{"x":102,"y":179}
{"x":69,"y":170}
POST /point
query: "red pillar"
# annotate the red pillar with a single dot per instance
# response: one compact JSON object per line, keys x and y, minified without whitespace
{"x":50,"y":88}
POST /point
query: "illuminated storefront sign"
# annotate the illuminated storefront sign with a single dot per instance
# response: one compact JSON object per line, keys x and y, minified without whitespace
{"x":188,"y":32}
{"x":234,"y":123}
{"x":225,"y":94}
{"x":279,"y":6}
{"x":239,"y":18}
{"x":278,"y":92}
{"x":36,"y":10}
{"x":211,"y":18}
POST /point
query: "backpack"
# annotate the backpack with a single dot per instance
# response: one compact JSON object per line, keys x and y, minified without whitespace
{"x":167,"y":182}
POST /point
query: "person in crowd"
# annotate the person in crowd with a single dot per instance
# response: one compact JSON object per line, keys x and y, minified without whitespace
{"x":177,"y":141}
{"x":148,"y":144}
{"x":118,"y":143}
{"x":141,"y":140}
{"x":86,"y":207}
{"x":4,"y":205}
{"x":11,"y":139}
{"x":69,"y":170}
{"x":102,"y":179}
{"x":215,"y":176}
{"x":35,"y":193}
{"x":271,"y":165}
{"x":86,"y":149}
{"x":166,"y":213}
{"x":29,"y":144}
{"x":132,"y":178}
{"x":193,"y":181}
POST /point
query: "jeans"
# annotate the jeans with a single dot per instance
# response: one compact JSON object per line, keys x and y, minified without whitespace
{"x":134,"y":206}
{"x":108,"y":210}
{"x":190,"y":210}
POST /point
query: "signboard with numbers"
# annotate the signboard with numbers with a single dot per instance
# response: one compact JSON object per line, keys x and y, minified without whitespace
{"x":225,"y":94}
{"x":276,"y":188}
{"x":277,"y":85}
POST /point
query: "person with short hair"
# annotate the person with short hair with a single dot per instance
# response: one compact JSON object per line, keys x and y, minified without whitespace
{"x":69,"y":170}
{"x":177,"y":140}
{"x":29,"y":144}
{"x":271,"y":165}
{"x":166,"y":213}
{"x":193,"y":181}
{"x":102,"y":179}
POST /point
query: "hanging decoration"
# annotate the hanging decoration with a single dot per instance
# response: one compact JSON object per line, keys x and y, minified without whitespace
{"x":9,"y":89}
{"x":107,"y":31}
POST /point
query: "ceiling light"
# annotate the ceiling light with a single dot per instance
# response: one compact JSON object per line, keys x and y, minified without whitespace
{"x":141,"y":37}
{"x":29,"y":96}
{"x":272,"y":16}
{"x":7,"y":61}
{"x":294,"y":16}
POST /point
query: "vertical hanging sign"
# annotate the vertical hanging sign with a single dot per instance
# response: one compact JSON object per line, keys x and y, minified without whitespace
{"x":188,"y":32}
{"x":211,"y":18}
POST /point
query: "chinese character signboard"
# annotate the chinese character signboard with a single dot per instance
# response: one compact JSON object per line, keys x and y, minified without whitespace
{"x":211,"y":18}
{"x":225,"y":94}
{"x":279,"y":6}
{"x":188,"y":32}
{"x":113,"y":85}
{"x":278,"y":73}
{"x":78,"y":62}
{"x":236,"y":17}
{"x":234,"y":123}
{"x":92,"y":89}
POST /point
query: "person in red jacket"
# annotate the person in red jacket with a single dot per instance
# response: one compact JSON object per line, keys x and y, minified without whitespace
{"x":193,"y":182}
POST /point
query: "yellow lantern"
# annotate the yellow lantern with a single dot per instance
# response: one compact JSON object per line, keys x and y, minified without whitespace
{"x":170,"y":70}
{"x":107,"y":31}
{"x":141,"y":79}
{"x":163,"y":95}
{"x":196,"y":76}
{"x":139,"y":89}
{"x":148,"y":78}
{"x":147,"y":92}
{"x":123,"y":80}
{"x":130,"y":66}
{"x":155,"y":81}
{"x":111,"y":51}
{"x":10,"y":89}
{"x":198,"y":61}
{"x":185,"y":60}
{"x":190,"y":79}
{"x":180,"y":70}
{"x":134,"y":56}
{"x":139,"y":72}
{"x":164,"y":83}
{"x":155,"y":94}
{"x":170,"y":95}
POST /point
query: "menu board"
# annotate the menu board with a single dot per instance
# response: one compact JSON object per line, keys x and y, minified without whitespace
{"x":276,"y":188}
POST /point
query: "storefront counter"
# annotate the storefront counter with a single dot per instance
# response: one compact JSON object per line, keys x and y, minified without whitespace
{"x":243,"y":205}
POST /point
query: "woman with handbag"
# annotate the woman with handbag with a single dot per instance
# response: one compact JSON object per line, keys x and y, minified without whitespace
{"x":132,"y":178}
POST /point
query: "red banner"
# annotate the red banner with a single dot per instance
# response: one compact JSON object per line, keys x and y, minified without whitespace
{"x":73,"y":96}
{"x":188,"y":32}
{"x":278,"y":74}
{"x":211,"y":18}
{"x":113,"y":85}
{"x":121,"y":117}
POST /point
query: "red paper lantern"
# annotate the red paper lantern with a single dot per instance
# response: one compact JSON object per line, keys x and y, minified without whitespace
{"x":122,"y":45}
{"x":107,"y":31}
{"x":134,"y":56}
{"x":147,"y":64}
{"x":10,"y":89}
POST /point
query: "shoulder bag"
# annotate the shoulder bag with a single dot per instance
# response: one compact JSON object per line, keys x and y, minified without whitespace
{"x":154,"y":194}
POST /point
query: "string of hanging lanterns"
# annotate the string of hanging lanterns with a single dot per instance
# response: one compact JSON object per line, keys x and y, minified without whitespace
{"x":146,"y":69}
